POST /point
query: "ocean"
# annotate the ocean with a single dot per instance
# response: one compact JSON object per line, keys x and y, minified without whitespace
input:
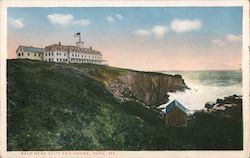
{"x":206,"y":86}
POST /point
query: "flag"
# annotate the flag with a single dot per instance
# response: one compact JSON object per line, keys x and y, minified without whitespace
{"x":77,"y":34}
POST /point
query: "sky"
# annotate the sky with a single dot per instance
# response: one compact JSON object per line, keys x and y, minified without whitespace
{"x":140,"y":38}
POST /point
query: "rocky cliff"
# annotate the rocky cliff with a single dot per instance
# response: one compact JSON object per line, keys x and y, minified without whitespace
{"x":147,"y":88}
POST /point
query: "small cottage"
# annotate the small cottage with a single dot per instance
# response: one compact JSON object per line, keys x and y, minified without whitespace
{"x":176,"y":114}
{"x":33,"y":53}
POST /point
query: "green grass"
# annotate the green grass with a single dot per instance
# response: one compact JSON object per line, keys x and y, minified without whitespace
{"x":67,"y":107}
{"x":61,"y":107}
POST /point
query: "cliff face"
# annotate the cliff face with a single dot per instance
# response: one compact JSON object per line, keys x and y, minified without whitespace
{"x":147,"y":88}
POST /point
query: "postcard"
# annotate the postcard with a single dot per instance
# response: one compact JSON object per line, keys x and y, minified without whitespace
{"x":124,"y":79}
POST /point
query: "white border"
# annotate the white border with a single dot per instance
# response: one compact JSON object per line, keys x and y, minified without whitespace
{"x":121,"y":3}
{"x":146,"y":3}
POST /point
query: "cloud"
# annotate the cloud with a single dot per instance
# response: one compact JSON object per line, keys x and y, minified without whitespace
{"x":229,"y":38}
{"x":61,"y":19}
{"x":119,"y":17}
{"x":66,"y":20}
{"x":112,"y":19}
{"x":219,"y":42}
{"x":159,"y":31}
{"x":233,"y":37}
{"x":142,"y":32}
{"x":109,"y":19}
{"x":15,"y":23}
{"x":185,"y":25}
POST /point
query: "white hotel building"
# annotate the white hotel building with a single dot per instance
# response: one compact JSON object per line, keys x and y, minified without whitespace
{"x":72,"y":54}
{"x":62,"y":53}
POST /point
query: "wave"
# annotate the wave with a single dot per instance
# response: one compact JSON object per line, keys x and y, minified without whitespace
{"x":206,"y":87}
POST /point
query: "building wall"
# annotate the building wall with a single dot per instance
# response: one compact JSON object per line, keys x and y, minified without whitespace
{"x":88,"y":56}
{"x":56,"y":56}
{"x":72,"y":57}
{"x":76,"y":57}
{"x":176,"y":118}
{"x":29,"y":55}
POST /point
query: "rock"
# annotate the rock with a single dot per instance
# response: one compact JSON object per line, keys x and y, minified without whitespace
{"x":235,"y":95}
{"x":178,"y":76}
{"x":145,"y":87}
{"x":209,"y":105}
{"x":223,"y":104}
{"x":220,"y":107}
{"x":233,"y":100}
{"x":220,"y":101}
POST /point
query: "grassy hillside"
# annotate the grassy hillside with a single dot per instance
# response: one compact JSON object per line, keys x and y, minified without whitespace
{"x":68,"y":107}
{"x":62,"y":107}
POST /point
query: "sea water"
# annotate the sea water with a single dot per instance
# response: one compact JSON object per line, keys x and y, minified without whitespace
{"x":206,"y":86}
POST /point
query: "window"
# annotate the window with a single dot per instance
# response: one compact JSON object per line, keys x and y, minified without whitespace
{"x":39,"y":55}
{"x":28,"y":54}
{"x":52,"y":54}
{"x":49,"y":54}
{"x":56,"y":53}
{"x":22,"y":54}
{"x":19,"y":54}
{"x":34,"y":54}
{"x":60,"y":59}
{"x":64,"y":54}
{"x":56,"y":59}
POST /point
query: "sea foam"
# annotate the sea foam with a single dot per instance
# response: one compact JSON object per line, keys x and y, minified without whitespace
{"x":206,"y":86}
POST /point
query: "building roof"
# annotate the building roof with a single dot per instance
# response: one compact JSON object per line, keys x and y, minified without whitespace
{"x":31,"y":49}
{"x":174,"y":104}
{"x":69,"y":48}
